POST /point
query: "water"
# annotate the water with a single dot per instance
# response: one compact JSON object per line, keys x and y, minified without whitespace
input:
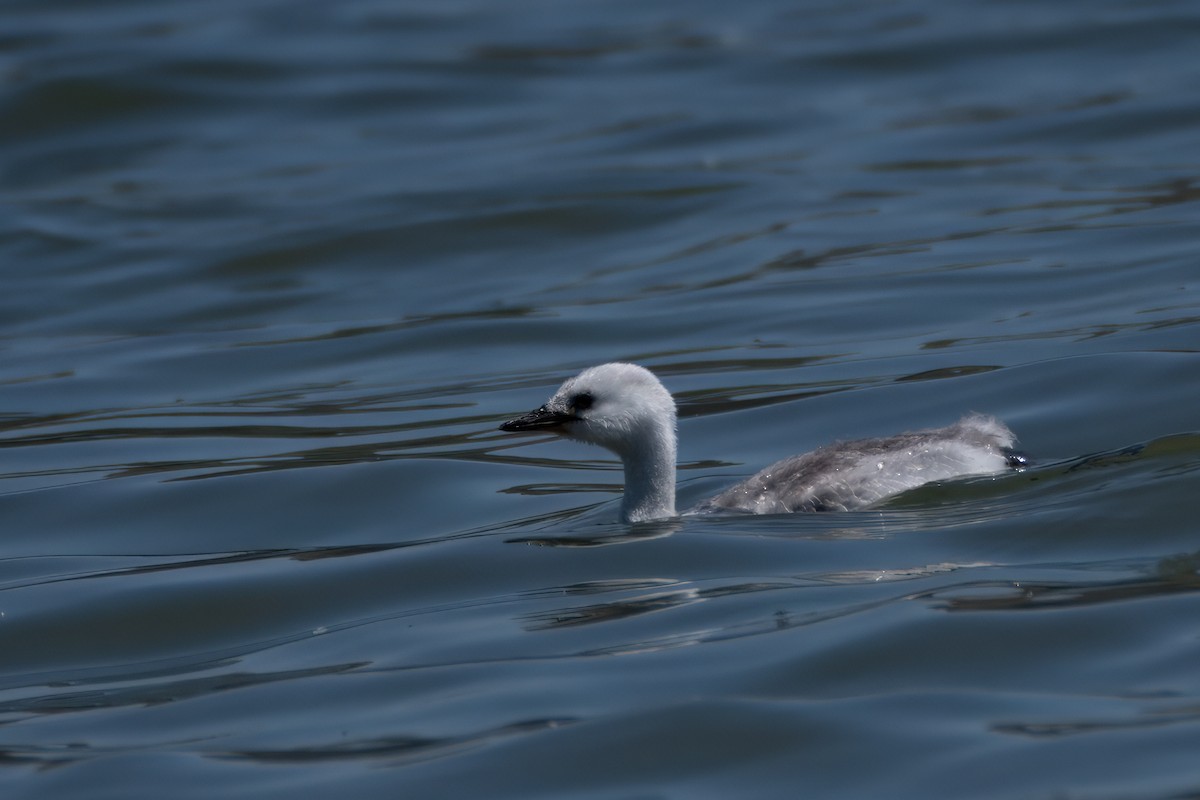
{"x":275,"y":271}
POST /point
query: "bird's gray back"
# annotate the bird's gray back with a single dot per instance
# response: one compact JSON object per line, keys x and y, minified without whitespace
{"x":854,"y":474}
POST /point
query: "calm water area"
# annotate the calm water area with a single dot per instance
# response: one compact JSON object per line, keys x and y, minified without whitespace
{"x":274,"y":272}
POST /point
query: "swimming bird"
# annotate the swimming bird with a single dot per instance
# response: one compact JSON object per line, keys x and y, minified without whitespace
{"x":626,"y":409}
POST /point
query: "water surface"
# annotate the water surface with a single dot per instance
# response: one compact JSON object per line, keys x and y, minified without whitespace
{"x":275,"y":272}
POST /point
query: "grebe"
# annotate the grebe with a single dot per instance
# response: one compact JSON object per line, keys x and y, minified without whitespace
{"x":624,"y":408}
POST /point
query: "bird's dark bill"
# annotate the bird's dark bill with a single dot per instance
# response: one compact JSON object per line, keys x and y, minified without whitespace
{"x":542,"y":419}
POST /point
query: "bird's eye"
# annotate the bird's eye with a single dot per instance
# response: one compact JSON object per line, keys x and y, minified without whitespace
{"x":582,"y":402}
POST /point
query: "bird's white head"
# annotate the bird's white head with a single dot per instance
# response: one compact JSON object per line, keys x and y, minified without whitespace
{"x":625,"y":409}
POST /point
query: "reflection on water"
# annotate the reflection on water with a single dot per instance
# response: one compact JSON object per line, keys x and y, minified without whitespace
{"x":1180,"y":574}
{"x":607,"y":535}
{"x":154,"y":693}
{"x":1160,"y":715}
{"x":394,"y":749}
{"x":603,"y":612}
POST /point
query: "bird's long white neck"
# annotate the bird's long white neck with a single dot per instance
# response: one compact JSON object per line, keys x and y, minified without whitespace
{"x":650,"y":475}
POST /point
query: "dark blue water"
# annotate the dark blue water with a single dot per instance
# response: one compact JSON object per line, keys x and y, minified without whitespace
{"x":274,"y":272}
